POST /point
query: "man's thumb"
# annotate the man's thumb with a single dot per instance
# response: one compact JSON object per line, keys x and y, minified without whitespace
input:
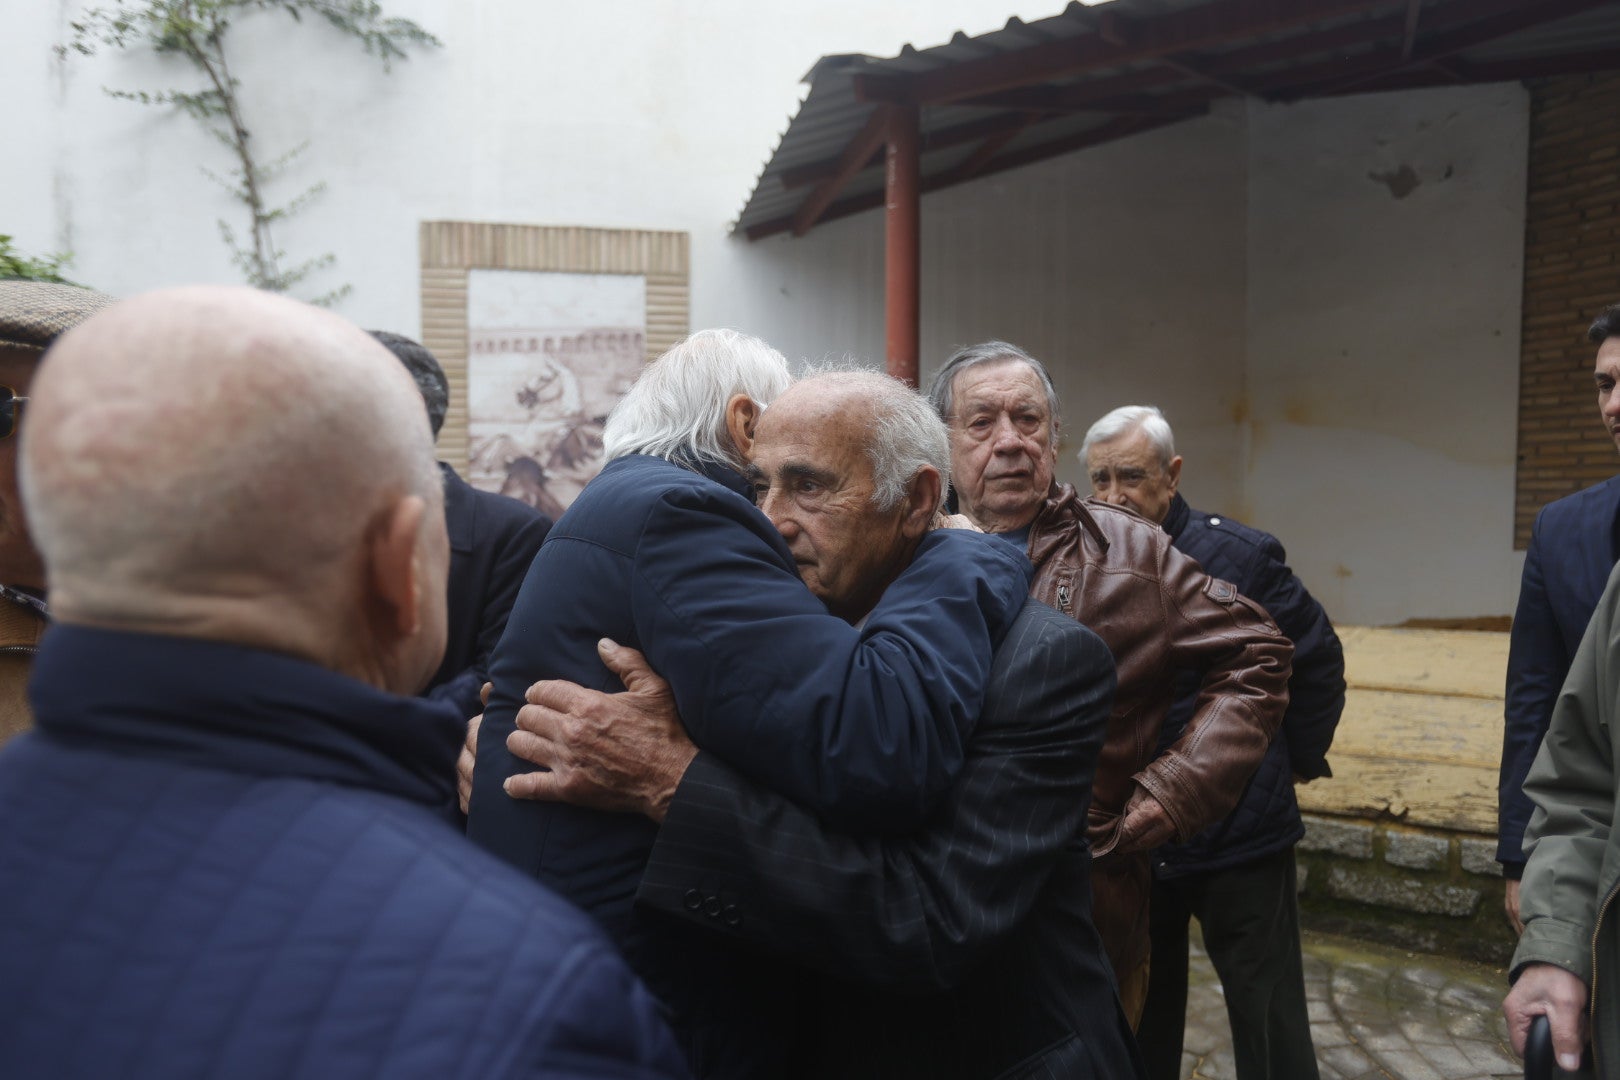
{"x":630,"y":666}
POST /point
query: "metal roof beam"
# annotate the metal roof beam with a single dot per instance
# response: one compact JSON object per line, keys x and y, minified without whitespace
{"x":1382,"y":64}
{"x":1206,"y":26}
{"x":1409,"y":31}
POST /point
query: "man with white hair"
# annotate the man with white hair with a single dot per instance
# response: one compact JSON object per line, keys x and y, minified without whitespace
{"x":665,"y":552}
{"x":226,"y":846}
{"x":1157,"y":611}
{"x":962,"y":950}
{"x":1236,"y":877}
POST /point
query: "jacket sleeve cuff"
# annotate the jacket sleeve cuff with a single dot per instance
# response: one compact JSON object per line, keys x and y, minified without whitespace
{"x":1550,"y":941}
{"x":1513,"y":871}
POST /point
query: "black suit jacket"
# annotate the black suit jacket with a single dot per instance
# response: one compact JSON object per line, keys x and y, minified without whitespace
{"x":493,"y":539}
{"x":965,"y":949}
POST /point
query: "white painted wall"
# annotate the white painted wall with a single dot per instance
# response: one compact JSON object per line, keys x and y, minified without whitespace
{"x":1340,"y":365}
{"x":616,"y":113}
{"x":1383,"y":344}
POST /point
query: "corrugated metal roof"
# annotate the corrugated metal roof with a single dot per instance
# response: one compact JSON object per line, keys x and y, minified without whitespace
{"x":1275,"y":49}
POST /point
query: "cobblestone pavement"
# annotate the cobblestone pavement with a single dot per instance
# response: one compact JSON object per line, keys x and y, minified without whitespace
{"x":1376,"y":1014}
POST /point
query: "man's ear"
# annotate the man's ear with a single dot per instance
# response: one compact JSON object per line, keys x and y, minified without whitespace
{"x":923,"y":498}
{"x":1174,"y":472}
{"x":394,"y":578}
{"x":742,"y":416}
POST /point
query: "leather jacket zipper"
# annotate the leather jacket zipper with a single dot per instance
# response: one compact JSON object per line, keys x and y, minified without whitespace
{"x":1063,"y":599}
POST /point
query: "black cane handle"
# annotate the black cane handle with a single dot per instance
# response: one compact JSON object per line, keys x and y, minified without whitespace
{"x":1538,"y":1051}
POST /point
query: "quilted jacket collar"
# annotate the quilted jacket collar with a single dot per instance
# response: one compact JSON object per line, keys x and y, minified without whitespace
{"x":230,"y":707}
{"x":1176,"y":519}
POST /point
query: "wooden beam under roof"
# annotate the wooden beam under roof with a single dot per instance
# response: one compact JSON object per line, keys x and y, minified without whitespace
{"x":1176,"y":106}
{"x":1207,"y":26}
{"x":868,"y":141}
{"x":1107,"y":132}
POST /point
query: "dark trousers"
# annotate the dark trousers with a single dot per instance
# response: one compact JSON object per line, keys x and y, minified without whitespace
{"x":1250,"y":918}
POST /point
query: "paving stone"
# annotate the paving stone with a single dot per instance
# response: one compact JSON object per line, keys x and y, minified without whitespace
{"x":1376,"y":1014}
{"x":1404,"y":894}
{"x":1337,"y":838}
{"x":1414,"y":851}
{"x":1479,"y":857}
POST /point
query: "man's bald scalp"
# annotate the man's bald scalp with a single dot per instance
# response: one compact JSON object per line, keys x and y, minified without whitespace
{"x":196,"y":440}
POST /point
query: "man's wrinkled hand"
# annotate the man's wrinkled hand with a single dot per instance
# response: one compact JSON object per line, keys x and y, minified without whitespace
{"x":1546,"y":989}
{"x":1146,"y":824}
{"x":1510,"y":904}
{"x":469,"y":753}
{"x":622,"y":752}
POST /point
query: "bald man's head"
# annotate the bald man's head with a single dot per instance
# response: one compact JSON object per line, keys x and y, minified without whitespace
{"x":225,"y":463}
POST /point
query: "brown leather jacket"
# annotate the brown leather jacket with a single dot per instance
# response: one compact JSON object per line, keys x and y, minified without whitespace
{"x":20,"y":630}
{"x":1158,"y":612}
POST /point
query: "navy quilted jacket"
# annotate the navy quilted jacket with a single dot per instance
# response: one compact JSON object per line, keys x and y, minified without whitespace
{"x":1267,"y":819}
{"x":219,"y":862}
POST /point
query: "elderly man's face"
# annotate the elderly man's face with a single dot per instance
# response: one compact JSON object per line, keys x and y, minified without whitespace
{"x":1127,"y":472}
{"x":813,"y":478}
{"x":1607,"y":374}
{"x":1002,"y":452}
{"x":20,"y":564}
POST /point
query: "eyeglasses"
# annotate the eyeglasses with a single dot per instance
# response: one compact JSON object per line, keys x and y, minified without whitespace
{"x":10,"y":402}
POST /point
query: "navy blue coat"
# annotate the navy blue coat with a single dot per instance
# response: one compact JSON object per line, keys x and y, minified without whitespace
{"x":963,"y":951}
{"x":1267,"y":819}
{"x":223,"y":862}
{"x":1573,"y":547}
{"x":864,"y":727}
{"x":493,"y":539}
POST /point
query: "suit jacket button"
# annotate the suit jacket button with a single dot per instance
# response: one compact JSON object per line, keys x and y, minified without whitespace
{"x":692,"y":899}
{"x":711,"y":906}
{"x":731,"y":915}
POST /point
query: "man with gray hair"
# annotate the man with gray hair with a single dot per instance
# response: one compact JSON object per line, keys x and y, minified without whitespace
{"x":1158,"y":612}
{"x":665,"y":552}
{"x":226,"y":845}
{"x":961,"y":949}
{"x":1236,"y":877}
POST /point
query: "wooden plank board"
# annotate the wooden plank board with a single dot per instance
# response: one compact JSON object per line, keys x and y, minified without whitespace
{"x":1420,"y":727}
{"x":1460,"y":797}
{"x":1467,"y":662}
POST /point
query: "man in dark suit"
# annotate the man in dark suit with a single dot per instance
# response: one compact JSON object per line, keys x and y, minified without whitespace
{"x":1573,"y":545}
{"x":493,"y":539}
{"x":960,"y":949}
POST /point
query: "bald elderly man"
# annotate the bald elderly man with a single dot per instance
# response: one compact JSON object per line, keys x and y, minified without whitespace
{"x":227,"y":842}
{"x":32,"y":315}
{"x":665,"y":552}
{"x":959,"y":950}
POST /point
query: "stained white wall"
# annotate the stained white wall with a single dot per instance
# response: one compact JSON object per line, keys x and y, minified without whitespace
{"x":1386,"y":237}
{"x":1339,"y":363}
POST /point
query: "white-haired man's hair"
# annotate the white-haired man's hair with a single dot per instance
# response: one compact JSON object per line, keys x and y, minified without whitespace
{"x":677,"y":408}
{"x":906,"y":433}
{"x":1129,"y":418}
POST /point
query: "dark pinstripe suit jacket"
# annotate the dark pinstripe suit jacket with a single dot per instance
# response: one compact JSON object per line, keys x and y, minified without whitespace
{"x":965,"y":949}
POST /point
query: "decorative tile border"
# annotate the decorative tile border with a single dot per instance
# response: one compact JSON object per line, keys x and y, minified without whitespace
{"x":449,"y":249}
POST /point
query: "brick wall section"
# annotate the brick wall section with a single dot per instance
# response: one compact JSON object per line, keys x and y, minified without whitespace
{"x":1571,"y":272}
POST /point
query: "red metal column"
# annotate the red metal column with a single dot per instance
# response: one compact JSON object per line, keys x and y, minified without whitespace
{"x":901,"y":219}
